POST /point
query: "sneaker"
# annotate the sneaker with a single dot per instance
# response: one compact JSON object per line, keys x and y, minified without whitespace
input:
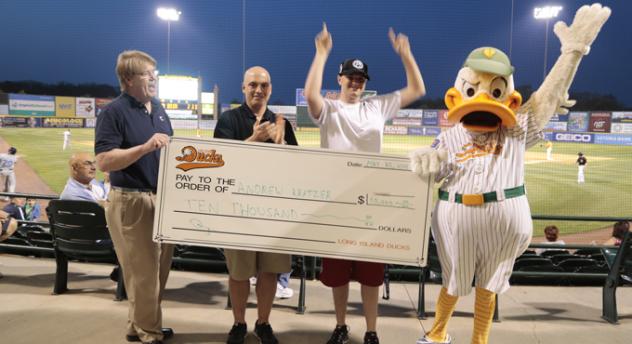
{"x":283,"y":293}
{"x":253,"y":281}
{"x":265,"y":334}
{"x":371,"y":338}
{"x":340,"y":335}
{"x":237,"y":334}
{"x":426,"y":340}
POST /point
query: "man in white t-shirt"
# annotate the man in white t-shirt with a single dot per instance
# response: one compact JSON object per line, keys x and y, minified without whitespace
{"x":354,"y":124}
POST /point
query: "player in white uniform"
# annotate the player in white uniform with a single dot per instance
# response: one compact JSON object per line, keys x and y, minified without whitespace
{"x":7,"y":170}
{"x":67,"y":135}
{"x":482,"y":220}
{"x":354,"y":124}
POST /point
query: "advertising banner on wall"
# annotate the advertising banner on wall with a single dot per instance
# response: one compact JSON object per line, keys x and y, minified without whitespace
{"x":556,"y":126}
{"x":395,"y":130}
{"x":411,"y":113}
{"x":443,"y":118}
{"x":100,"y":103}
{"x":424,"y":131}
{"x":410,"y":122}
{"x":85,"y":107}
{"x":431,"y":117}
{"x":62,"y":122}
{"x":30,"y":105}
{"x":559,"y":118}
{"x":613,"y":139}
{"x":65,"y":106}
{"x":621,"y":117}
{"x":91,"y":122}
{"x":578,"y":121}
{"x":572,"y":137}
{"x":599,"y":122}
{"x":19,"y":122}
{"x":621,"y":128}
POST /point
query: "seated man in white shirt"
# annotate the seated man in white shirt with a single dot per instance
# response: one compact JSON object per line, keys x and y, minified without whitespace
{"x":81,"y":185}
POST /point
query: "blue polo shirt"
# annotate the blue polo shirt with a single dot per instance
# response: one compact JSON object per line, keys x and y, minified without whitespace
{"x":126,"y":123}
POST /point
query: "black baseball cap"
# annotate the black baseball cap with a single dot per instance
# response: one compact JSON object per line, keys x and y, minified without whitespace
{"x":13,"y":150}
{"x":354,"y":66}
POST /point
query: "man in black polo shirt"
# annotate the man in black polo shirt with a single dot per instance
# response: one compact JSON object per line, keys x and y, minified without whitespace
{"x":129,"y":134}
{"x":252,"y":121}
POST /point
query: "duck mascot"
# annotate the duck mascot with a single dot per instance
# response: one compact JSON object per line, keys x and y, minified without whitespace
{"x":482,"y":221}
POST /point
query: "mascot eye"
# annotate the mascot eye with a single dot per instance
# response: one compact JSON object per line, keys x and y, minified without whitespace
{"x":498,"y":88}
{"x":468,"y":89}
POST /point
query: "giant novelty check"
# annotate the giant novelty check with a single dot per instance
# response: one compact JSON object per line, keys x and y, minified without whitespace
{"x":306,"y":201}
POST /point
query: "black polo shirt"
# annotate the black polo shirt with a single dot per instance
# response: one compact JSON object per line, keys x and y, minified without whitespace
{"x":126,"y":123}
{"x":236,"y":124}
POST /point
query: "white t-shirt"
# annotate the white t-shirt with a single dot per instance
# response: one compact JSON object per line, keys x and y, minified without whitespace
{"x":356,"y":127}
{"x":67,"y":135}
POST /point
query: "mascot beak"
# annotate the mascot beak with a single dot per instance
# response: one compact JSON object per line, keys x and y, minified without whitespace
{"x":482,"y":113}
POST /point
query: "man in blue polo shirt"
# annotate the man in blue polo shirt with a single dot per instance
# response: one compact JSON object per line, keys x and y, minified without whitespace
{"x":129,"y":134}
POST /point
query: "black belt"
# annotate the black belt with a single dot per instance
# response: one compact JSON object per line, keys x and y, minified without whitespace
{"x":478,"y":199}
{"x":122,"y":189}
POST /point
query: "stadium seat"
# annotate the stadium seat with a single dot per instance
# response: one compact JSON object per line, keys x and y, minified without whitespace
{"x":556,"y":259}
{"x":549,"y":253}
{"x":588,"y":252}
{"x":573,"y":264}
{"x":620,"y":273}
{"x":538,"y":275}
{"x":80,"y":232}
{"x":525,"y":262}
{"x":527,"y":255}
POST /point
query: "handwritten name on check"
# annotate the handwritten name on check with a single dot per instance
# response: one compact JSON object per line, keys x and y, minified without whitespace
{"x":287,"y":199}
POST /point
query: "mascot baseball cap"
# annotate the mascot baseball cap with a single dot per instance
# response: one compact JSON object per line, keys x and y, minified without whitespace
{"x":354,"y":66}
{"x":490,"y":60}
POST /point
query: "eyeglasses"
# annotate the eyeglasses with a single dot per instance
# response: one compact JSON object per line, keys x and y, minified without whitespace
{"x":152,"y":73}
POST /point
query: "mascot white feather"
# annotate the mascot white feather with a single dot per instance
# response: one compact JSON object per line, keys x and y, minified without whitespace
{"x":482,"y":220}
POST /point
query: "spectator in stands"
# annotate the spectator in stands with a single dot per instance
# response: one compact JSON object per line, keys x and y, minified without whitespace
{"x":618,"y":233}
{"x":9,"y":226}
{"x":552,"y":234}
{"x":129,"y":134}
{"x":32,"y":209}
{"x":15,"y":209}
{"x":253,"y":121}
{"x":82,"y":185}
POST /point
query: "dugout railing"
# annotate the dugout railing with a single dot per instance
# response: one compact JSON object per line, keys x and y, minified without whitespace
{"x":610,"y":280}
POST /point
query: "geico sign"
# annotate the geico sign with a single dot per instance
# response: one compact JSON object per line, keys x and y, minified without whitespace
{"x":572,"y":137}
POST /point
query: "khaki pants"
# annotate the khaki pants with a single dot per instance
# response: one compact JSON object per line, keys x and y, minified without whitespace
{"x":145,"y":264}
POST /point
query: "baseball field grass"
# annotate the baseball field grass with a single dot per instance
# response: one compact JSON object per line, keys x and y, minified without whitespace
{"x":552,"y":185}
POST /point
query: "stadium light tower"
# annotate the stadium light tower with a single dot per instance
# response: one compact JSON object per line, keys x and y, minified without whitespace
{"x":546,"y":13}
{"x":168,"y":14}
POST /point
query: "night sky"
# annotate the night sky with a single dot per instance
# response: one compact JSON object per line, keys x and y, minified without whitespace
{"x":78,"y":41}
